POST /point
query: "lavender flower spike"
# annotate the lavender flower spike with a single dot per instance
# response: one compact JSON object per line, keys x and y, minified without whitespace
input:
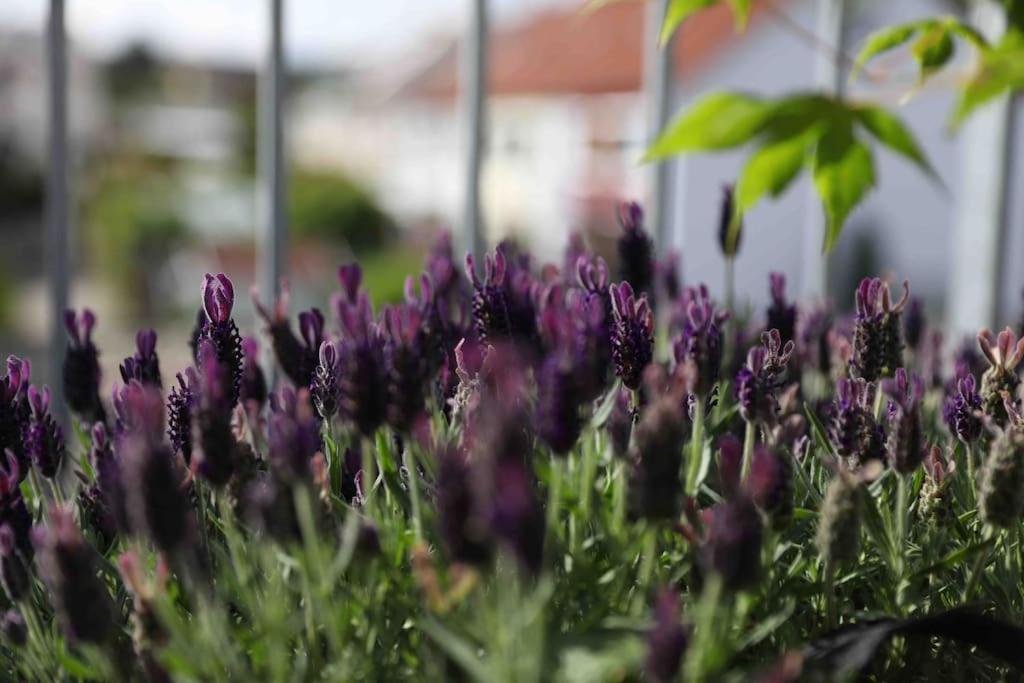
{"x":1004,"y":354}
{"x":144,"y":366}
{"x":666,"y":641}
{"x":82,"y":367}
{"x":220,"y":329}
{"x":906,"y":444}
{"x":44,"y":440}
{"x":324,"y":389}
{"x":962,"y":410}
{"x":632,"y":334}
{"x":636,"y":253}
{"x":781,"y":316}
{"x":877,"y":347}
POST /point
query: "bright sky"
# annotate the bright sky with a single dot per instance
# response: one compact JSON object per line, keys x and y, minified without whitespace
{"x":318,"y":32}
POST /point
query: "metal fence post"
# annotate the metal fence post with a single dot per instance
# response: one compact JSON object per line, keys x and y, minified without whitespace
{"x":828,"y":77}
{"x":273,"y":192}
{"x":473,"y":94}
{"x":658,"y":93}
{"x":57,"y":196}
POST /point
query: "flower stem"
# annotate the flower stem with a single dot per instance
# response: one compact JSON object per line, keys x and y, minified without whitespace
{"x":902,"y":486}
{"x":414,"y":492}
{"x":749,"y":437}
{"x":979,"y":565}
{"x":832,"y":616}
{"x":696,"y":447}
{"x":647,"y":560}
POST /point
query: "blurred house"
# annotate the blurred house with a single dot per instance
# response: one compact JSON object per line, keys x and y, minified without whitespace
{"x":566,"y":132}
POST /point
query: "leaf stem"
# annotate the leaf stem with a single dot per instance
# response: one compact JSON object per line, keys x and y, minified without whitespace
{"x":749,"y":437}
{"x":696,"y":447}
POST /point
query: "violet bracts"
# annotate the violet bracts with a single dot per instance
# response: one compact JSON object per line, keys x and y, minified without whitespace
{"x":296,"y":355}
{"x":44,"y":440}
{"x":221,"y":331}
{"x":363,"y":378}
{"x":877,"y":344}
{"x":82,"y":368}
{"x":906,"y":445}
{"x":325,"y":389}
{"x":144,"y":366}
{"x":1004,"y":353}
{"x":700,"y":339}
{"x":293,"y":435}
{"x":853,"y":430}
{"x":181,"y":403}
{"x":253,"y":390}
{"x":636,"y":252}
{"x":632,"y":334}
{"x":759,"y":379}
{"x":962,"y":410}
{"x":405,"y":366}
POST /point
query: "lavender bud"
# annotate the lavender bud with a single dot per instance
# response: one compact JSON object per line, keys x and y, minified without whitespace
{"x":620,"y":423}
{"x":636,"y":252}
{"x":758,"y":381}
{"x":935,"y":504}
{"x":503,"y":308}
{"x":557,"y":417}
{"x":44,"y":440}
{"x":405,"y":364}
{"x":181,"y":403}
{"x":656,"y":487}
{"x":877,"y":347}
{"x":700,"y":340}
{"x":324,"y":389}
{"x":270,"y":509}
{"x":1004,"y":354}
{"x":725,"y":218}
{"x":1001,"y":486}
{"x":221,"y":331}
{"x":12,"y":624}
{"x":906,"y":444}
{"x":216,"y":448}
{"x":69,"y":568}
{"x":632,"y":334}
{"x":15,"y":411}
{"x":962,"y":410}
{"x":13,"y":568}
{"x":82,"y":368}
{"x":838,"y":537}
{"x":732,"y":549}
{"x":781,"y":315}
{"x":852,"y":429}
{"x":914,"y":324}
{"x":144,"y":366}
{"x":730,"y":464}
{"x":296,"y":356}
{"x":253,"y":389}
{"x":293,"y":435}
{"x":516,"y":516}
{"x":363,"y":379}
{"x":666,"y":641}
{"x":771,"y":486}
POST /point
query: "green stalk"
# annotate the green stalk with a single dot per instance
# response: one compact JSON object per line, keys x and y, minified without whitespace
{"x":902,"y":487}
{"x":979,"y":565}
{"x":587,"y":476}
{"x":749,"y":437}
{"x":831,"y":612}
{"x":730,"y":282}
{"x":554,"y":496}
{"x":369,"y":470}
{"x":414,"y":492}
{"x":647,"y":560}
{"x":969,"y":457}
{"x":696,"y":447}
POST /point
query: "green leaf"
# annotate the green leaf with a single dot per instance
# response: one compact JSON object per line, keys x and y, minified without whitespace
{"x":741,"y":12}
{"x":718,"y":121}
{"x":677,"y":13}
{"x":771,"y":169}
{"x":1001,"y":69}
{"x":843,"y":173}
{"x":460,"y":651}
{"x":883,"y":40}
{"x":933,"y":50}
{"x":604,"y":411}
{"x":888,"y":129}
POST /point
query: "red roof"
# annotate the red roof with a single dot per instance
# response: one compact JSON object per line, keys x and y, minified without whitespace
{"x":579,"y":52}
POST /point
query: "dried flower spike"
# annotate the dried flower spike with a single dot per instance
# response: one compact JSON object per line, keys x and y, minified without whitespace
{"x":1004,"y":354}
{"x":877,"y":346}
{"x":838,"y":537}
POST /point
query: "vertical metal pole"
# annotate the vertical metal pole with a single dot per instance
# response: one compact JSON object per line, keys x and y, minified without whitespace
{"x":271,"y":149}
{"x":828,"y":77}
{"x":57,"y":196}
{"x":474,"y":91}
{"x":658,"y":93}
{"x":978,"y":233}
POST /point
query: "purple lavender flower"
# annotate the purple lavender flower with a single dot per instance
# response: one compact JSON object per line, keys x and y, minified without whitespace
{"x":466,"y":536}
{"x":771,"y":486}
{"x":15,"y":411}
{"x":82,"y":368}
{"x":758,"y":381}
{"x":877,"y":347}
{"x":732,"y":548}
{"x":350,"y":277}
{"x":293,"y":435}
{"x":725,"y":218}
{"x":69,"y":567}
{"x":557,"y":416}
{"x":325,"y":390}
{"x":636,"y":253}
{"x":591,"y":308}
{"x":296,"y":355}
{"x":620,"y":423}
{"x":906,"y":444}
{"x":516,"y":516}
{"x":405,"y":364}
{"x":503,"y":308}
{"x":852,"y":430}
{"x":730,"y":464}
{"x":181,"y":403}
{"x":253,"y":389}
{"x":962,"y":410}
{"x":666,"y":641}
{"x":632,"y":334}
{"x":1004,"y":354}
{"x":781,"y":315}
{"x":700,"y":340}
{"x":14,"y":570}
{"x":656,"y":487}
{"x":221,"y":331}
{"x":215,"y":446}
{"x":363,"y":382}
{"x":914,"y":324}
{"x":44,"y":440}
{"x":812,"y":340}
{"x":670,"y":284}
{"x":144,"y":366}
{"x":443,"y":271}
{"x":269,"y":508}
{"x":575,"y":249}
